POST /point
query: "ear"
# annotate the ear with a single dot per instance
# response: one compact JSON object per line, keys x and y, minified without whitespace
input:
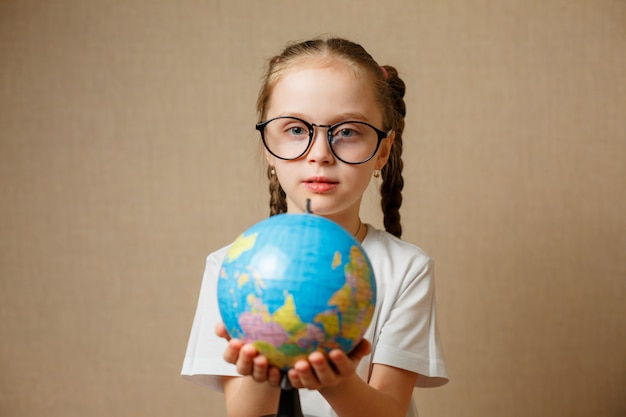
{"x":384,"y":151}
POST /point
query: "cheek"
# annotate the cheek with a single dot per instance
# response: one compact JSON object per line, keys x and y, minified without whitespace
{"x":362,"y":176}
{"x":284,"y":172}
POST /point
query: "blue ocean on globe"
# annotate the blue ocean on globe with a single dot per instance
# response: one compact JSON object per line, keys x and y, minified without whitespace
{"x":296,"y":283}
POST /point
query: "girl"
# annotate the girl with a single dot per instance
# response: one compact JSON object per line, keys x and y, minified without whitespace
{"x":330,"y":119}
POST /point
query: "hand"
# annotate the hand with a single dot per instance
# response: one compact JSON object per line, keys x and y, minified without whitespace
{"x":247,"y":359}
{"x":320,"y":371}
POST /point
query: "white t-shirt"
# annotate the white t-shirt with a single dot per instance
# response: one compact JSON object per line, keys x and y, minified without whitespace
{"x":403,"y":331}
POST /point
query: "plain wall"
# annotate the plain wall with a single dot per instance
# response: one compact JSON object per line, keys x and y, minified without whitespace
{"x":128,"y":153}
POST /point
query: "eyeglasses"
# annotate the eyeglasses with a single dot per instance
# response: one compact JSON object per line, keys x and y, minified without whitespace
{"x":352,"y":142}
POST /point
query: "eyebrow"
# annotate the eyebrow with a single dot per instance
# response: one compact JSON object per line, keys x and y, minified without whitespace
{"x":356,"y":116}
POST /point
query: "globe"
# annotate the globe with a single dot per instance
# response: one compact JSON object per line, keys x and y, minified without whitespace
{"x":294,"y":284}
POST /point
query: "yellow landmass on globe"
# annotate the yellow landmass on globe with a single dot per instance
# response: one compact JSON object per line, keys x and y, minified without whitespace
{"x":287,"y":317}
{"x":337,"y":259}
{"x":240,"y":245}
{"x":356,"y":267}
{"x":342,"y":298}
{"x":243,"y":279}
{"x":330,"y":321}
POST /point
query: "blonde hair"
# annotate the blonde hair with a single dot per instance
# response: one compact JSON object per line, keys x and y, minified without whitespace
{"x":389,"y":90}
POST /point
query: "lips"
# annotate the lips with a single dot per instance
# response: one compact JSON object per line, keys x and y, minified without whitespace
{"x":320,"y":184}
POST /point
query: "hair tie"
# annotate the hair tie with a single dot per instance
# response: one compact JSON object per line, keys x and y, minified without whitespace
{"x":385,"y":74}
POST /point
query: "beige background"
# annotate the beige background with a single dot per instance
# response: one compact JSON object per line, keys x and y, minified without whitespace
{"x":127,"y":153}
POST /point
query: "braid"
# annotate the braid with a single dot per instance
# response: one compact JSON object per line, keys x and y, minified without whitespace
{"x":391,"y":189}
{"x":392,"y":180}
{"x":278,"y":200}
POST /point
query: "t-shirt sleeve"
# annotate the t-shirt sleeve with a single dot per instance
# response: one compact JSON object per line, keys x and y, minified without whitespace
{"x":409,"y":337}
{"x":203,"y":363}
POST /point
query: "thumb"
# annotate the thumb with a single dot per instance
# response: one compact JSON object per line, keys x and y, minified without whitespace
{"x":363,"y":348}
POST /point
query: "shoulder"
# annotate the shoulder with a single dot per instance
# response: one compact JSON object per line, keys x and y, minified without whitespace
{"x":399,"y":266}
{"x":218,"y":255}
{"x":382,"y":246}
{"x":214,"y":261}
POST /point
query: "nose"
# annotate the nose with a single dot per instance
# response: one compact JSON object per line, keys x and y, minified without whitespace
{"x":320,"y":148}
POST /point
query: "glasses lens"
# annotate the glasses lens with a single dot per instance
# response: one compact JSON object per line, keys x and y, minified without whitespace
{"x":286,"y":138}
{"x":354,"y":142}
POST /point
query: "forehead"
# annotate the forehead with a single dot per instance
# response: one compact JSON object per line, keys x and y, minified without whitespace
{"x":324,"y":91}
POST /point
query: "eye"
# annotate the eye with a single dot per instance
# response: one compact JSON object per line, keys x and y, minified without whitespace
{"x":345,"y":132}
{"x":293,"y":128}
{"x":297,"y":130}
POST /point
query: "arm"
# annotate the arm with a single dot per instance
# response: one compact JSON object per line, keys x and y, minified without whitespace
{"x":387,"y":394}
{"x":246,"y":396}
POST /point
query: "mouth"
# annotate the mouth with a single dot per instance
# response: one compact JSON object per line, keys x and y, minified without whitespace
{"x":320,"y":184}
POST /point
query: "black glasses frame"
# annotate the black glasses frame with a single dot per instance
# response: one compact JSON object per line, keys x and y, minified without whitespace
{"x":381,"y":135}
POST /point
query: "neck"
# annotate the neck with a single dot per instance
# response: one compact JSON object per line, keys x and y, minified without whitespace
{"x":361,"y":231}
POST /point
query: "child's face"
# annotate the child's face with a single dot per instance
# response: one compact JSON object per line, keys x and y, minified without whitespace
{"x":325,"y":94}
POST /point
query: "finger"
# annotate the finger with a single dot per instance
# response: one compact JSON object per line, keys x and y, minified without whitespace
{"x":245,"y":361}
{"x":274,"y":376}
{"x":363,"y":348}
{"x":231,"y":353}
{"x":221,"y":331}
{"x":306,"y":375}
{"x":260,"y":368}
{"x":323,"y":370}
{"x":343,"y":365}
{"x":294,"y":378}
